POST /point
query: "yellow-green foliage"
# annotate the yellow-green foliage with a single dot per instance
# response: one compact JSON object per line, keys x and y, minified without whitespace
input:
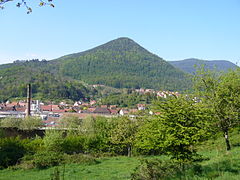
{"x":22,"y":123}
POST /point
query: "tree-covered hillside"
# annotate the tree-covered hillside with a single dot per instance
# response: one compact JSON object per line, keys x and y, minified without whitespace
{"x":190,"y":65}
{"x":45,"y":84}
{"x":122,"y":63}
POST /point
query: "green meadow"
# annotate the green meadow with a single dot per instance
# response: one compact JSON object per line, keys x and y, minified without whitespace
{"x":218,"y":164}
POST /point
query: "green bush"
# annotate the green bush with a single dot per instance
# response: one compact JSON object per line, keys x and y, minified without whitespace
{"x":33,"y":145}
{"x":53,"y":141}
{"x":11,"y":150}
{"x":80,"y":159}
{"x":73,"y":144}
{"x":169,"y":169}
{"x":30,"y":123}
{"x":45,"y":159}
{"x":11,"y":122}
{"x":2,"y":133}
{"x":92,"y":144}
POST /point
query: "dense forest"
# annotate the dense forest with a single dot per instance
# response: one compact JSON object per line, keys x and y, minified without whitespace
{"x":122,"y":63}
{"x":45,"y":83}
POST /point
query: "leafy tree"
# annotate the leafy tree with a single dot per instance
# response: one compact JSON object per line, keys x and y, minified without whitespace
{"x":97,"y":132}
{"x":53,"y":141}
{"x":124,"y":133}
{"x":179,"y":126}
{"x":221,"y":92}
{"x":11,"y":150}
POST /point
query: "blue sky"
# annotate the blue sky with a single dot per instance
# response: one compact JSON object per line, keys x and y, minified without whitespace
{"x":172,"y":29}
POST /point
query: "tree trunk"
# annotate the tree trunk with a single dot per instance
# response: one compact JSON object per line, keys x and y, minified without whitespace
{"x":227,"y":140}
{"x":129,"y":150}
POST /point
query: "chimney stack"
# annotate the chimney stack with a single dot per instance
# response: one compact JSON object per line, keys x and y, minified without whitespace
{"x":29,"y":95}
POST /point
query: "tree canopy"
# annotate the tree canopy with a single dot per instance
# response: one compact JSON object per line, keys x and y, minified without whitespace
{"x":179,"y":124}
{"x":221,"y":93}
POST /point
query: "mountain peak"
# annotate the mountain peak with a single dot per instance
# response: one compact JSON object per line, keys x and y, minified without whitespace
{"x":122,"y":40}
{"x":122,"y":63}
{"x":122,"y":44}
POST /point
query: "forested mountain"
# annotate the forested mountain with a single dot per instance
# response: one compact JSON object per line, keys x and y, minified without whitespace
{"x":122,"y":63}
{"x":45,"y":84}
{"x":190,"y":65}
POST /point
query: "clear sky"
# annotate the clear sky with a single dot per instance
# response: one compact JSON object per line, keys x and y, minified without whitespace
{"x":172,"y":29}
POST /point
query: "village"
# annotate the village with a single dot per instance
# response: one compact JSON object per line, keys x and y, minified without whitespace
{"x":50,"y":113}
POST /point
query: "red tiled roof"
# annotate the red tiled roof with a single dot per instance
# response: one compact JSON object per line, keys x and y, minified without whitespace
{"x":21,"y":109}
{"x":46,"y":107}
{"x":59,"y":110}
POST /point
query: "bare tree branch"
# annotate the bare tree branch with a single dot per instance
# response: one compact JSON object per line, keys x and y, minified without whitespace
{"x":24,"y":3}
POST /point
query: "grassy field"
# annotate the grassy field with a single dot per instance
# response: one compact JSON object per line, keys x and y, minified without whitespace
{"x":107,"y":168}
{"x":219,"y":164}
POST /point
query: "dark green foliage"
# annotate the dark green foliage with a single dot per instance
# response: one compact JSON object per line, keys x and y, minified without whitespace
{"x":46,"y":83}
{"x":2,"y":133}
{"x":122,"y":63}
{"x":11,"y":150}
{"x":45,"y":159}
{"x":119,"y":63}
{"x":74,"y":144}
